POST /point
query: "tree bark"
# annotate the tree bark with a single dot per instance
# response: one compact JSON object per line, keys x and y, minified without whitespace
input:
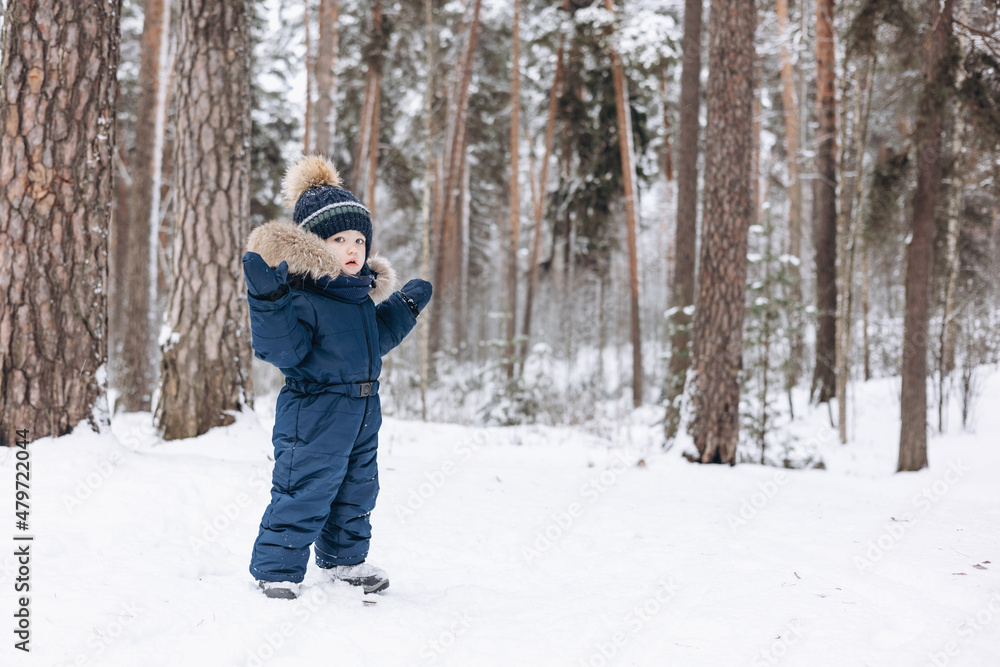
{"x":326,"y":76}
{"x":445,"y":275}
{"x":57,"y":114}
{"x":206,"y":357}
{"x":368,"y":137}
{"x":825,"y":205}
{"x":624,"y":113}
{"x":927,"y":138}
{"x":138,"y":350}
{"x":728,"y":211}
{"x":685,"y":237}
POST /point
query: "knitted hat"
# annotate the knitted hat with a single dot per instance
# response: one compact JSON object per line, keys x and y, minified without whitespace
{"x":311,"y":188}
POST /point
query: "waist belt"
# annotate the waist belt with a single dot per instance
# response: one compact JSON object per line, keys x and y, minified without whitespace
{"x":353,"y":390}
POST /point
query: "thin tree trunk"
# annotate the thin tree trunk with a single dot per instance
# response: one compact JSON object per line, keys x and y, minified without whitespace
{"x":790,"y":104}
{"x":728,"y":211}
{"x":849,"y":235}
{"x":540,"y":201}
{"x":206,"y":358}
{"x":368,"y":138}
{"x":461,"y":259}
{"x":949,"y":323}
{"x":865,"y":343}
{"x":825,"y":204}
{"x":927,"y":138}
{"x":425,"y":209}
{"x":326,"y":77}
{"x":682,"y":283}
{"x":515,"y":192}
{"x":373,"y":148}
{"x":307,"y":140}
{"x":56,"y":194}
{"x":624,"y":113}
{"x":137,"y":377}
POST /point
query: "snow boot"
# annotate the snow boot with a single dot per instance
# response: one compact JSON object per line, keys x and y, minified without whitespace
{"x":279,"y":590}
{"x":372,"y":579}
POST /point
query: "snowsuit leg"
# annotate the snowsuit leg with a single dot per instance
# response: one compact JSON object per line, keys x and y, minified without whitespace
{"x":314,"y":437}
{"x":345,"y":537}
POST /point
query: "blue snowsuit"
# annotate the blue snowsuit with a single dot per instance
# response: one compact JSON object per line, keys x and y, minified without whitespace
{"x":327,"y":417}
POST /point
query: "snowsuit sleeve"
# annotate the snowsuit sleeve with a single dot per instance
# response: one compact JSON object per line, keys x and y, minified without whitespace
{"x":282,"y":329}
{"x":395,"y":320}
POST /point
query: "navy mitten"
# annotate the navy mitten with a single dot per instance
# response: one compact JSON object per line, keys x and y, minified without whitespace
{"x":263,"y":282}
{"x":417,"y":293}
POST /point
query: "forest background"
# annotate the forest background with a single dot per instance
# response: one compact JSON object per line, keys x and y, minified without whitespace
{"x":808,"y":196}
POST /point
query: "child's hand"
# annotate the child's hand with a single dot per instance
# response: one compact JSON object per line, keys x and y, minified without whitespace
{"x":417,"y":293}
{"x":263,"y":282}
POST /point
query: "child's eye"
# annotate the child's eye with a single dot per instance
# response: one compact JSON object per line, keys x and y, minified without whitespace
{"x":360,"y":241}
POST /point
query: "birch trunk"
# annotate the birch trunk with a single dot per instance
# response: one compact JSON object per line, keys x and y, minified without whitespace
{"x":849,"y":234}
{"x":949,"y":323}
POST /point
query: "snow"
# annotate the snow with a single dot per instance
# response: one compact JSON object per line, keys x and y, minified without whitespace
{"x":525,"y":545}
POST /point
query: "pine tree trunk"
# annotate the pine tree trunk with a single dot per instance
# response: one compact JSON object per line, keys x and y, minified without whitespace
{"x":425,"y":209}
{"x":728,"y":211}
{"x":138,"y":342}
{"x":366,"y":162}
{"x":445,"y":275}
{"x":326,"y":76}
{"x":927,"y":139}
{"x":57,"y":114}
{"x":624,"y":112}
{"x":685,"y":237}
{"x":308,"y":140}
{"x":825,"y":206}
{"x":206,"y":359}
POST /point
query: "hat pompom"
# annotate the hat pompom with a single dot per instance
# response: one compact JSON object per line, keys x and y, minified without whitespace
{"x":308,"y":172}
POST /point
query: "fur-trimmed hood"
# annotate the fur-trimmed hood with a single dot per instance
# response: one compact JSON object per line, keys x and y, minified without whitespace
{"x":307,"y":255}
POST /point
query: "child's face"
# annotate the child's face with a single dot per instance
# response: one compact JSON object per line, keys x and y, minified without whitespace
{"x":349,"y":249}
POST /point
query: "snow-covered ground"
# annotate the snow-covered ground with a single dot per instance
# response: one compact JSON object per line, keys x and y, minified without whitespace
{"x":523,"y":546}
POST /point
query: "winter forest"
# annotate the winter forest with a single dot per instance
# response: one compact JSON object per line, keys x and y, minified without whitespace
{"x":666,"y":232}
